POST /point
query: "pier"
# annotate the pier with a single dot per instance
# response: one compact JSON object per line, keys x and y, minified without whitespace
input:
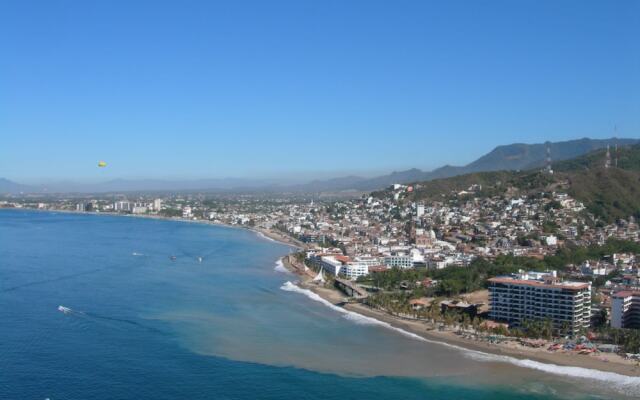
{"x":350,"y":288}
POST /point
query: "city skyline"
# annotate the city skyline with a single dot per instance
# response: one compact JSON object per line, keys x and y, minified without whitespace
{"x":304,"y":90}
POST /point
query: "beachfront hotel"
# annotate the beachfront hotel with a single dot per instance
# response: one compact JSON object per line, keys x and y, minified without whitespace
{"x":336,"y":264}
{"x":625,"y":309}
{"x":540,"y":296}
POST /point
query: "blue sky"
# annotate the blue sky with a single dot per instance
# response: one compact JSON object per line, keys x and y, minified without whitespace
{"x":193,"y":89}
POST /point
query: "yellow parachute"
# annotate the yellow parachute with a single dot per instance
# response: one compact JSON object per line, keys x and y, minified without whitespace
{"x":102,"y":164}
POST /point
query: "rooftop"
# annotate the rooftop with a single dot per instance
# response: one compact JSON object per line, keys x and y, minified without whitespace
{"x":531,"y":282}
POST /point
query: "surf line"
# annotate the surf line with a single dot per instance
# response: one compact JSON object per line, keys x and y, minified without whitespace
{"x":623,"y":383}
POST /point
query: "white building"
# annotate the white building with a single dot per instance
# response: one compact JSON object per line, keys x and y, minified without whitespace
{"x":399,"y":260}
{"x":330,"y":264}
{"x":369,"y":261}
{"x":595,"y":269}
{"x":122,"y":206}
{"x":157,"y":204}
{"x":515,"y":299}
{"x":186,"y":212}
{"x":353,"y":270}
{"x":551,"y":240}
{"x":625,"y":309}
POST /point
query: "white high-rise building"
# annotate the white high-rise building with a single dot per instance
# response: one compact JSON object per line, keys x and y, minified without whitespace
{"x":186,"y":212}
{"x":122,"y":206}
{"x":157,"y":204}
{"x":532,"y":296}
{"x":625,"y":310}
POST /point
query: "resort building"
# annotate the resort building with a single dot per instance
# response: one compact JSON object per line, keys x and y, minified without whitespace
{"x":353,"y":270}
{"x":157,"y":204}
{"x":399,"y":260}
{"x":625,"y":309}
{"x":122,"y":206}
{"x":336,"y":264}
{"x":329,"y":264}
{"x":536,"y":296}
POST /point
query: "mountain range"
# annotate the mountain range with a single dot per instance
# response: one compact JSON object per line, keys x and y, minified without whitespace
{"x":512,"y":157}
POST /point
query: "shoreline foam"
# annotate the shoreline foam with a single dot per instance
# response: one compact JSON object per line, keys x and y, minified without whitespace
{"x":628,"y":385}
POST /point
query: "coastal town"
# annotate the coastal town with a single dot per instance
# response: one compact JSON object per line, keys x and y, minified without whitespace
{"x":524,"y":273}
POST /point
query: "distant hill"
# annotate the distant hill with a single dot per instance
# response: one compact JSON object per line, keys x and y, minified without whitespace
{"x":511,"y":157}
{"x":137,"y":185}
{"x":608,"y":193}
{"x":521,"y":156}
{"x":7,"y":186}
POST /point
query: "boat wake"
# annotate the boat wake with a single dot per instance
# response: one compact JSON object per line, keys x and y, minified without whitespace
{"x":42,"y":282}
{"x":65,"y":310}
{"x":95,"y":317}
{"x":629,"y":385}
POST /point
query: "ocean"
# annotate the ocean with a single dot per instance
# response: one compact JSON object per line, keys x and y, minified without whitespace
{"x":223,"y":320}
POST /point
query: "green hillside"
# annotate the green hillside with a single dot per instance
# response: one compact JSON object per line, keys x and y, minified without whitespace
{"x":608,"y":193}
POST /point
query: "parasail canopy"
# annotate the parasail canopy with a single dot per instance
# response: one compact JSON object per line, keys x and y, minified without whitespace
{"x":102,"y":164}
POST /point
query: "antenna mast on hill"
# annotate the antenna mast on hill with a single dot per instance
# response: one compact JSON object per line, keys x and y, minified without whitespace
{"x":548,"y":150}
{"x":607,"y":161}
{"x":615,"y":136}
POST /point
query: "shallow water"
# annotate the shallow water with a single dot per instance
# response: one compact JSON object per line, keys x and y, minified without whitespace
{"x":144,"y":326}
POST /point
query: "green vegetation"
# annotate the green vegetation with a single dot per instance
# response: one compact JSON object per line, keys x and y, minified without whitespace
{"x":171,"y":212}
{"x":629,"y":339}
{"x":578,"y":254}
{"x":452,"y":280}
{"x":609,"y":194}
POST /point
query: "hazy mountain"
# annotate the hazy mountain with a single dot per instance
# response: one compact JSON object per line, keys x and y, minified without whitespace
{"x":7,"y":186}
{"x":136,"y":185}
{"x":518,"y":156}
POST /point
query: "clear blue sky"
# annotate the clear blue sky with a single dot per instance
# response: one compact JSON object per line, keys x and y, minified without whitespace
{"x":191,"y":89}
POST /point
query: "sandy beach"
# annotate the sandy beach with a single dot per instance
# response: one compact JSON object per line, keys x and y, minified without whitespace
{"x":601,"y":361}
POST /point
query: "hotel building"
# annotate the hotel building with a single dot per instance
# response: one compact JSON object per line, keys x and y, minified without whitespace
{"x":341,"y":265}
{"x":625,"y":309}
{"x":540,"y":296}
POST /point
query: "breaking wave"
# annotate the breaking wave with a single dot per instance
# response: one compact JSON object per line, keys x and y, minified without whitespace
{"x":281,"y":268}
{"x":629,"y":385}
{"x":263,"y":236}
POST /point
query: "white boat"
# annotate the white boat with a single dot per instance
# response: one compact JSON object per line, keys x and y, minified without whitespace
{"x":64,"y":310}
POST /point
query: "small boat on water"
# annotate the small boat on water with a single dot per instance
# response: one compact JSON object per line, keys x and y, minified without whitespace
{"x":64,"y":310}
{"x":172,"y":258}
{"x":199,"y":259}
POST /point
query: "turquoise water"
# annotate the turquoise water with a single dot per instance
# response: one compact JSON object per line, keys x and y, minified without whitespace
{"x":142,"y":326}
